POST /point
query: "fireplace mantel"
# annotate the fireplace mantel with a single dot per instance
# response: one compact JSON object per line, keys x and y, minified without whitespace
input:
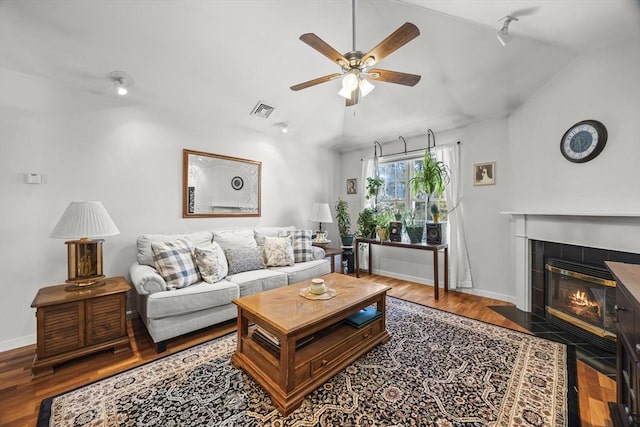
{"x":619,"y":231}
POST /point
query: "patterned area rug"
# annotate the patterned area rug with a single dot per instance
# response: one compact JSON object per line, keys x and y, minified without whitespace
{"x":439,"y":369}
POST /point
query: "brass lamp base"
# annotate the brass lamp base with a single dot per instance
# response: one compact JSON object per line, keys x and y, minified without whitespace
{"x":86,"y":283}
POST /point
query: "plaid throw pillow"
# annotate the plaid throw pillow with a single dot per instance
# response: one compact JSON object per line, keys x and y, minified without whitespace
{"x":174,"y":262}
{"x":302,"y":248}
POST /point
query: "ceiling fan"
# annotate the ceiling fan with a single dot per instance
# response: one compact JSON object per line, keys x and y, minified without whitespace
{"x":356,"y":66}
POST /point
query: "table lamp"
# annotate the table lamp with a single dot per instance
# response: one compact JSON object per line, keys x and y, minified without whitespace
{"x":320,"y":212}
{"x":83,"y":222}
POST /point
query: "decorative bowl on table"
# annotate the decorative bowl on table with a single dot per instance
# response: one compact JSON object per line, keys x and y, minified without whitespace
{"x":320,"y":243}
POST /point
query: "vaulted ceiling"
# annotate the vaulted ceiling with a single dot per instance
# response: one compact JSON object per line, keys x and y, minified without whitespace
{"x":216,"y":59}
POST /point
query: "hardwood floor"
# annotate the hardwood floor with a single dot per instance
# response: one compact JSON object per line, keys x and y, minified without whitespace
{"x":20,"y":395}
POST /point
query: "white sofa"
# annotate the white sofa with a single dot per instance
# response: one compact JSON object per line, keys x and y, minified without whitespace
{"x":168,"y":313}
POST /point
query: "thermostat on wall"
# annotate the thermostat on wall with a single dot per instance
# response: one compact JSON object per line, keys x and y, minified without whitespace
{"x":34,"y":178}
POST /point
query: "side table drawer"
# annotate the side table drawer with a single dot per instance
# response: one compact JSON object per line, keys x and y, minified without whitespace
{"x":60,"y":328}
{"x":105,"y":319}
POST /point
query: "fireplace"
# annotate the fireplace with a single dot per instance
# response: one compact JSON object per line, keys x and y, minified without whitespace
{"x":580,"y":298}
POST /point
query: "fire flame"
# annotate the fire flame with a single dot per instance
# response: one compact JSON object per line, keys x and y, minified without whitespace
{"x":580,"y":298}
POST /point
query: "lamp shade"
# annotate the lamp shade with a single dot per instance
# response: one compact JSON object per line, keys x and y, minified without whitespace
{"x":84,"y":219}
{"x":320,"y":212}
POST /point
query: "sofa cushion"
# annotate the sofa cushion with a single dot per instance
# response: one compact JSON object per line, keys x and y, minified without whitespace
{"x":230,"y":239}
{"x":174,"y":261}
{"x":193,"y":298}
{"x":302,"y":245}
{"x":211,"y":262}
{"x":200,"y":239}
{"x":262,"y":232}
{"x":278,"y":251}
{"x":244,"y":259}
{"x":254,"y":281}
{"x":302,"y":271}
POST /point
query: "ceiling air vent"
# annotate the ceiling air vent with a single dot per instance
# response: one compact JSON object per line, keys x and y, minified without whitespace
{"x":262,"y":110}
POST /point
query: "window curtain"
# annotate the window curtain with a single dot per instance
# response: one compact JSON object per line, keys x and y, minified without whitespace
{"x":369,"y":167}
{"x":459,"y":267}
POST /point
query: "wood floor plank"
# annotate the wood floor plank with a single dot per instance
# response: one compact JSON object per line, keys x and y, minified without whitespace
{"x":20,"y":395}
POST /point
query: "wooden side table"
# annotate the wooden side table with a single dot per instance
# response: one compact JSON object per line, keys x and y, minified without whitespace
{"x":79,"y":322}
{"x":332,"y":252}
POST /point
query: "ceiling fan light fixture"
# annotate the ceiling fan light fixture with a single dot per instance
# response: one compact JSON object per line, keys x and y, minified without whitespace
{"x":365,"y":87}
{"x":345,"y":93}
{"x":350,"y":81}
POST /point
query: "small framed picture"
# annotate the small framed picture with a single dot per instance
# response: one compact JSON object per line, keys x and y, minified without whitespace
{"x":484,"y":173}
{"x":352,"y":186}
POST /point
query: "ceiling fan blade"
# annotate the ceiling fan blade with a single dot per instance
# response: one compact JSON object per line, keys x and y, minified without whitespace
{"x":355,"y":97}
{"x":321,"y":46}
{"x":393,"y":77}
{"x":394,"y":41}
{"x":314,"y":82}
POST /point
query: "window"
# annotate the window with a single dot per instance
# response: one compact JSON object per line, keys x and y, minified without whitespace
{"x":398,"y":196}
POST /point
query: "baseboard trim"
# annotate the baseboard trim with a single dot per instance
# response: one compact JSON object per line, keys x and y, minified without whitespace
{"x":423,"y":281}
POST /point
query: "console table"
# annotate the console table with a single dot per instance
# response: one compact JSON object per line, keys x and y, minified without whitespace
{"x":421,"y":246}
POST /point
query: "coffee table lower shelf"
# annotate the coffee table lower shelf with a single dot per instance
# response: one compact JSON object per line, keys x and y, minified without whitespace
{"x":313,"y":364}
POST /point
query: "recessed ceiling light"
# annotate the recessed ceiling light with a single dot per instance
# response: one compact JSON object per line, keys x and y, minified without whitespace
{"x":121,"y":82}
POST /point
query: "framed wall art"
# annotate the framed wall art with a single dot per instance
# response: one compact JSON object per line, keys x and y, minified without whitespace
{"x":352,"y":186}
{"x":216,"y":185}
{"x":484,"y":173}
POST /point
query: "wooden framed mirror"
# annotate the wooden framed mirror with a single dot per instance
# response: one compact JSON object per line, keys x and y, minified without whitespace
{"x":220,"y":186}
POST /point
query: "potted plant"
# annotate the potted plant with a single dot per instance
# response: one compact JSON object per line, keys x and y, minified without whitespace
{"x":435,"y":212}
{"x":382,"y":225}
{"x":374,"y":184}
{"x":367,"y":223}
{"x":431,"y":179}
{"x":344,"y":222}
{"x":413,"y":224}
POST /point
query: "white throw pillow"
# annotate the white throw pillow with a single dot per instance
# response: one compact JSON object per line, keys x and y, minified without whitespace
{"x":278,"y":251}
{"x":231,"y":239}
{"x":211,"y":263}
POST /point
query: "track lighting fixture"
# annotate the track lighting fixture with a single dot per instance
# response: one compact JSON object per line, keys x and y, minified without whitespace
{"x":121,"y":82}
{"x":503,"y":34}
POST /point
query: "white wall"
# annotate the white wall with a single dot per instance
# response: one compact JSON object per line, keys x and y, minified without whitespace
{"x":603,"y":85}
{"x":130,"y":159}
{"x":481,"y":206}
{"x":531,"y":173}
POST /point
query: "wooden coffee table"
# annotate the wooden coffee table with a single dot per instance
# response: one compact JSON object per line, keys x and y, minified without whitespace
{"x":289,"y":372}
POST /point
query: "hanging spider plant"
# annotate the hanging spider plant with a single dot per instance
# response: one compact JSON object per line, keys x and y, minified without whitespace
{"x":432,"y":178}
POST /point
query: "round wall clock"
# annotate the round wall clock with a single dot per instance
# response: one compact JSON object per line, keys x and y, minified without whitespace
{"x":583,"y":141}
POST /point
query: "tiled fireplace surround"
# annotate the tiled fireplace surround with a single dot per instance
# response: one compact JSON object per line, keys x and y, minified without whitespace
{"x":591,"y":238}
{"x":585,"y":238}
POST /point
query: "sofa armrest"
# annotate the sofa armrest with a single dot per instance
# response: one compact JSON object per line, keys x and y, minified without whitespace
{"x":146,"y":279}
{"x":318,"y":253}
